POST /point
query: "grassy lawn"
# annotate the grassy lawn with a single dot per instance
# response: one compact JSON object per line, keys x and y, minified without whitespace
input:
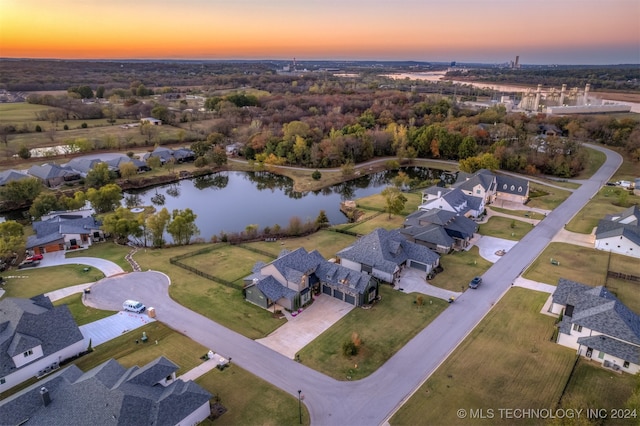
{"x":502,"y":227}
{"x":222,"y":304}
{"x":250,"y":400}
{"x":328,"y":243}
{"x":81,"y":313}
{"x":459,"y":268}
{"x":12,"y":113}
{"x":507,"y":361}
{"x":378,"y":202}
{"x":30,"y":282}
{"x":606,"y":201}
{"x":364,"y":227}
{"x":546,"y":197}
{"x":231,"y":263}
{"x":596,"y":160}
{"x":591,"y":386}
{"x":105,"y":250}
{"x":383,"y":330}
{"x":178,"y":348}
{"x":587,"y":266}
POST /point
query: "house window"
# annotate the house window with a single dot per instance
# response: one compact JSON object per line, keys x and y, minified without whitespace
{"x":519,"y":189}
{"x":169,"y":378}
{"x":477,"y":191}
{"x":504,"y":186}
{"x":28,"y":353}
{"x":606,"y":244}
{"x":2,"y":381}
{"x":513,"y":187}
{"x":626,"y":364}
{"x":601,"y":355}
{"x":577,"y":327}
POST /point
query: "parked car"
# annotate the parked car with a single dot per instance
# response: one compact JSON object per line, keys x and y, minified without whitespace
{"x":133,"y":306}
{"x":28,"y":264}
{"x":475,"y":282}
{"x":34,"y":257}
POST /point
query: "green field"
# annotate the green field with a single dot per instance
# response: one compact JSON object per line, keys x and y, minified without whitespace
{"x":603,"y":203}
{"x":222,"y":304}
{"x":459,"y":268}
{"x":383,"y":330}
{"x":507,"y":361}
{"x":546,"y":197}
{"x":328,"y":243}
{"x":502,"y":227}
{"x":105,"y":250}
{"x":30,"y":282}
{"x":587,"y":266}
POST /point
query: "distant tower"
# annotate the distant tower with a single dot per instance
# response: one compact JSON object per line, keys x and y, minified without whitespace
{"x":562,"y":93}
{"x":517,"y":63}
{"x":586,"y":94}
{"x":294,"y":64}
{"x":538,"y":95}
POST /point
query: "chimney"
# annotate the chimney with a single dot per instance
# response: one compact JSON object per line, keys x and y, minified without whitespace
{"x":46,"y":398}
{"x":439,"y":194}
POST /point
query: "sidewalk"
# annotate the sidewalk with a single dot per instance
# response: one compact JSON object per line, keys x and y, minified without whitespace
{"x":534,"y":285}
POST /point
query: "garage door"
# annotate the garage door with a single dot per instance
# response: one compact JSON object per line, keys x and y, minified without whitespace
{"x":416,"y":265}
{"x":326,"y":290}
{"x":337,"y":294}
{"x":350,"y":299}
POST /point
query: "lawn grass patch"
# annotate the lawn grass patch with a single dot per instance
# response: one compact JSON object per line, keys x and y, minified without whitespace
{"x":593,"y":387}
{"x":250,"y":400}
{"x":606,"y":201}
{"x":183,"y":351}
{"x":30,"y":282}
{"x":230,"y":263}
{"x":459,"y":268}
{"x":327,"y":242}
{"x":507,"y":361}
{"x":383,"y":330}
{"x":594,"y":162}
{"x":82,"y":314}
{"x":378,"y":202}
{"x":503,"y":227}
{"x":587,"y":266}
{"x":374,"y":221}
{"x":105,"y":250}
{"x":546,"y":197}
{"x":217,"y":302}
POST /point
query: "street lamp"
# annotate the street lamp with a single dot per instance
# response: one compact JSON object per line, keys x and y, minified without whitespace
{"x":299,"y":406}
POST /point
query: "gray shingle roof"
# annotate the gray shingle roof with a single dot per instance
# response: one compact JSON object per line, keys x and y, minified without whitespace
{"x":482,"y":177}
{"x":613,"y":347}
{"x":106,"y":396}
{"x":48,"y":171}
{"x":55,"y":228}
{"x":274,"y":290}
{"x":608,"y":228}
{"x":386,"y":250}
{"x":11,"y":175}
{"x":25,"y":322}
{"x":512,"y":185}
{"x":599,"y":310}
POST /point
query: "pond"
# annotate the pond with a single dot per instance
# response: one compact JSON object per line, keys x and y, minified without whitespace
{"x":230,"y":201}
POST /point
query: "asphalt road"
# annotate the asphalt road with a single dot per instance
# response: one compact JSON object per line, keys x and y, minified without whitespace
{"x":373,"y":400}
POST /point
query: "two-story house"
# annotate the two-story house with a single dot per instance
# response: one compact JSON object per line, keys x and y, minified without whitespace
{"x":35,"y":337}
{"x":620,"y":233}
{"x":291,"y":279}
{"x":64,"y":231}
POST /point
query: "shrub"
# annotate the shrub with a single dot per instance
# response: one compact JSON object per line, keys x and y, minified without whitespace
{"x":316,"y":175}
{"x":84,"y":125}
{"x":349,"y":349}
{"x":38,"y":128}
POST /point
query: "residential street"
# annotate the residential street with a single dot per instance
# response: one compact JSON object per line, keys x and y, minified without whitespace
{"x":373,"y":400}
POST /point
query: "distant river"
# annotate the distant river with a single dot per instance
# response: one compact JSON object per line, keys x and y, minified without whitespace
{"x":229,"y":201}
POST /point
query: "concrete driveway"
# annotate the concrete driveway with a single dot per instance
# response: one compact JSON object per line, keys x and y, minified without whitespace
{"x":55,"y":258}
{"x":490,"y":245}
{"x":108,"y":328}
{"x":413,"y":281}
{"x":300,"y":330}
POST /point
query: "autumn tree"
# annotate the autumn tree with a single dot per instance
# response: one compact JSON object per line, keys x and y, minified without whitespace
{"x":123,"y":223}
{"x":98,"y":176}
{"x":182,"y":226}
{"x":128,"y":170}
{"x":394,"y":199}
{"x":156,"y":224}
{"x":106,"y":198}
{"x":12,"y":239}
{"x":43,"y":204}
{"x":23,"y":190}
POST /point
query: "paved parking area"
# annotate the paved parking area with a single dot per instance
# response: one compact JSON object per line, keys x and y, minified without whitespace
{"x":111,"y":327}
{"x":413,"y":281}
{"x":299,"y":331}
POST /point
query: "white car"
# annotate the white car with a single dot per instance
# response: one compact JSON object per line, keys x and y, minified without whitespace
{"x":133,"y":306}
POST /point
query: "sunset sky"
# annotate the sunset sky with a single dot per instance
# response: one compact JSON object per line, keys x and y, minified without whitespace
{"x":490,"y":31}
